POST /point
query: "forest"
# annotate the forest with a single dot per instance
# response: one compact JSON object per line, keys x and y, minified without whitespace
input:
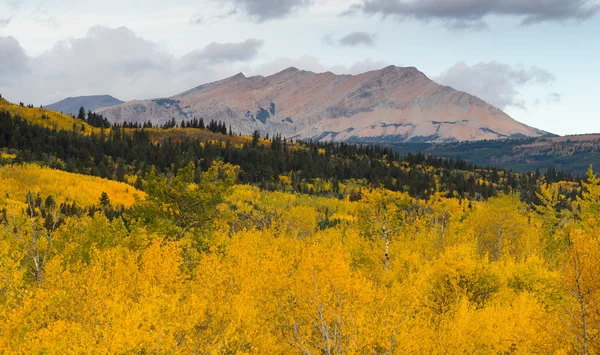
{"x":572,"y":153}
{"x":182,"y":240}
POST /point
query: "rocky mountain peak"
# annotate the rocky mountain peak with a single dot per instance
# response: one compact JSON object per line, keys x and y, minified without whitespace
{"x":394,"y":104}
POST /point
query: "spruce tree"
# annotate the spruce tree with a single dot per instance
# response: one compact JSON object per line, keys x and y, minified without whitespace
{"x":81,"y":114}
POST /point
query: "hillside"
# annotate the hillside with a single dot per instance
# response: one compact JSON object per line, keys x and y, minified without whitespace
{"x":17,"y":180}
{"x":572,"y":154}
{"x":44,"y":117}
{"x":266,"y":246}
{"x":389,"y":105}
{"x":72,"y":105}
{"x":315,"y":168}
{"x":183,"y":134}
{"x":360,"y":261}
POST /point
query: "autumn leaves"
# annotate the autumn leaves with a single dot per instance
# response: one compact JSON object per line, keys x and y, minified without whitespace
{"x":204,"y":266}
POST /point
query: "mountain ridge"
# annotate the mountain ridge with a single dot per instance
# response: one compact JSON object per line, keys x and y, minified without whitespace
{"x":71,"y":105}
{"x":392,"y":104}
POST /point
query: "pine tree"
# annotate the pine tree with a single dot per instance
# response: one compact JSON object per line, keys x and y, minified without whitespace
{"x":255,"y":138}
{"x":104,"y":200}
{"x":81,"y":114}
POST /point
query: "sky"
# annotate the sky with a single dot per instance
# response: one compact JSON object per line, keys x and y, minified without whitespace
{"x":538,"y":60}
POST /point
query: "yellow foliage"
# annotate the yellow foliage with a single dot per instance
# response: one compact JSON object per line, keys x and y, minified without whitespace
{"x":283,"y":273}
{"x":17,"y":180}
{"x":46,"y":118}
{"x":504,"y":226}
{"x":4,"y":155}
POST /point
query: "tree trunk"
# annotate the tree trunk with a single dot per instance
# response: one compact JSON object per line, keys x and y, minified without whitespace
{"x":387,"y":251}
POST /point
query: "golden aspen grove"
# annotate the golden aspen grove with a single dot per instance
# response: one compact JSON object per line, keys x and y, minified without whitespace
{"x":197,"y":258}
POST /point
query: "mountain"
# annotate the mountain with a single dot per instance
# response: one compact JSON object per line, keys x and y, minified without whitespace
{"x":72,"y":105}
{"x":389,"y":105}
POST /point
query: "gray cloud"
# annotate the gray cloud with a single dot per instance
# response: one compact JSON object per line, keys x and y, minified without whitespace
{"x":5,"y":21}
{"x":496,"y":83}
{"x":225,"y":52}
{"x":353,"y":39}
{"x":469,"y":14}
{"x":358,"y":38}
{"x":13,"y":60}
{"x":465,"y":25}
{"x":264,"y":10}
{"x":551,"y":98}
{"x":203,"y":19}
{"x":554,"y":98}
{"x":112,"y":61}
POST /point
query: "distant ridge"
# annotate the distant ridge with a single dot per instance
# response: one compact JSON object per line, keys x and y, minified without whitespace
{"x":390,"y":105}
{"x":71,"y":105}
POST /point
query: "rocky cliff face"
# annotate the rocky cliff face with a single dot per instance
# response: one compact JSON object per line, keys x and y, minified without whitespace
{"x":389,"y":105}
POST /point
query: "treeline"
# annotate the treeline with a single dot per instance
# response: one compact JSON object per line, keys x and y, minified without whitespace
{"x":93,"y":119}
{"x":213,"y":126}
{"x":99,"y":121}
{"x":280,"y":165}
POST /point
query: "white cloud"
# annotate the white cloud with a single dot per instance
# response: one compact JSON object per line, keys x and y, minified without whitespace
{"x":313,"y":64}
{"x":496,"y":83}
{"x":112,"y":61}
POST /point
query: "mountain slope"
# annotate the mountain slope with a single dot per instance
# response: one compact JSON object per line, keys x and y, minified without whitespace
{"x":389,"y":105}
{"x":44,"y":117}
{"x":572,"y":154}
{"x":72,"y":105}
{"x":19,"y":179}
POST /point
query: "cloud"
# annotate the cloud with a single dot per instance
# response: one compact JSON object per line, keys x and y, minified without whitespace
{"x":264,"y":10}
{"x":5,"y":21}
{"x":13,"y":61}
{"x":203,"y":19}
{"x":469,"y":14}
{"x":358,"y":38}
{"x":554,"y":98}
{"x":113,"y":61}
{"x":550,"y":99}
{"x":42,"y":17}
{"x":8,"y":9}
{"x":352,"y":10}
{"x":359,"y":67}
{"x":308,"y":63}
{"x":353,"y":39}
{"x":496,"y":83}
{"x":313,"y":64}
{"x":224,"y":52}
{"x":328,"y":39}
{"x":466,"y":25}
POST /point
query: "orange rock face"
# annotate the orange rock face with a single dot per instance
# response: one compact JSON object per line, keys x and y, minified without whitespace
{"x":389,"y":105}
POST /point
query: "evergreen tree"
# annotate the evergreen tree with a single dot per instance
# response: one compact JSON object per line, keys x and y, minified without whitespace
{"x":81,"y":114}
{"x":104,"y":200}
{"x":255,"y":138}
